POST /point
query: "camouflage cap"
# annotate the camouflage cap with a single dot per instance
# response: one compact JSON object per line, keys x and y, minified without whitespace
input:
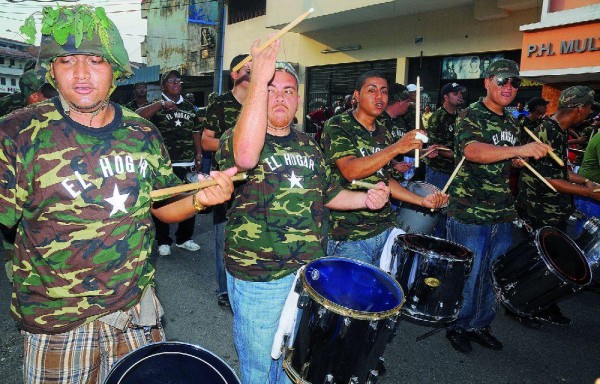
{"x":31,"y":81}
{"x":397,"y":92}
{"x":503,"y":68}
{"x":82,"y":30}
{"x":287,"y":67}
{"x":577,"y":96}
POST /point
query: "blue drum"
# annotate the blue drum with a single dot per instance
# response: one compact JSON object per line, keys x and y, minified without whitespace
{"x":349,"y":312}
{"x":171,"y":363}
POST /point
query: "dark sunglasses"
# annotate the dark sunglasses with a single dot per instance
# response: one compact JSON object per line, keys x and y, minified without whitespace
{"x":515,"y":82}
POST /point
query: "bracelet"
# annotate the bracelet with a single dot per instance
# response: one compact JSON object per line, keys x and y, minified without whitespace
{"x":199,"y":207}
{"x":585,"y":181}
{"x":162,"y":103}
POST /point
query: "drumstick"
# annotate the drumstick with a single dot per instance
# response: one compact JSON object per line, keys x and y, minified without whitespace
{"x":276,"y":36}
{"x":452,"y":176}
{"x":576,"y":150}
{"x":596,"y":190}
{"x":428,"y":151}
{"x":364,"y":184}
{"x":537,"y":174}
{"x":553,"y":155}
{"x":418,"y":117}
{"x":193,"y":186}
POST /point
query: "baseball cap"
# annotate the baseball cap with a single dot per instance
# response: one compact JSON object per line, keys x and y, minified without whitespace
{"x":536,"y":102}
{"x":503,"y":68}
{"x":287,"y":67}
{"x":452,"y":87}
{"x":412,"y":88}
{"x":397,"y":92}
{"x":577,"y":96}
{"x":165,"y":76}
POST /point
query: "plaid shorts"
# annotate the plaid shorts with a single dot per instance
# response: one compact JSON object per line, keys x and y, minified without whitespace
{"x":83,"y":355}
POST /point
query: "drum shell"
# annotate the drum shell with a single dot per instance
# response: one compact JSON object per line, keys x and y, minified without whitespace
{"x":335,"y":338}
{"x":589,"y":242}
{"x":416,"y":219}
{"x":532,"y":276}
{"x":432,"y":272}
{"x":170,"y":363}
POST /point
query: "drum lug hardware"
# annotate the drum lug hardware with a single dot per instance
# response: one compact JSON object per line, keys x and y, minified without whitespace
{"x":373,"y":377}
{"x":328,"y":379}
{"x":372,"y":332}
{"x":353,"y":380}
{"x":381,"y":366}
{"x":304,"y":369}
{"x":324,"y":315}
{"x":345,"y":326}
{"x":304,"y":300}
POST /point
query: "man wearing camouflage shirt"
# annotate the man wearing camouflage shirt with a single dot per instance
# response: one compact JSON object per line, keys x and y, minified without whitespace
{"x":177,"y":122}
{"x":222,"y":114}
{"x":481,"y":209}
{"x":441,"y":132}
{"x":275,"y":223}
{"x":358,"y":146}
{"x":140,"y":97}
{"x":76,"y":179}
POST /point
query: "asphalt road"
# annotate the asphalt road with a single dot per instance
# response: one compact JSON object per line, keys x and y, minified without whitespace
{"x":186,"y":282}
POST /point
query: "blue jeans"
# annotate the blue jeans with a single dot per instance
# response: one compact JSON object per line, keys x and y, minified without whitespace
{"x":487,"y":242}
{"x":438,"y":179}
{"x":367,"y":250}
{"x":220,"y":258}
{"x":590,"y":208}
{"x":256,"y":309}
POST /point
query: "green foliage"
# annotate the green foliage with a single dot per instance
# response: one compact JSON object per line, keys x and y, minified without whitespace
{"x":28,"y":29}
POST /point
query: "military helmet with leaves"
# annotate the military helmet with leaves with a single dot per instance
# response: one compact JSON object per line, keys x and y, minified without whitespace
{"x":80,"y":29}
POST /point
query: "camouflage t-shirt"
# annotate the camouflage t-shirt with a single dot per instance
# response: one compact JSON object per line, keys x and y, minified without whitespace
{"x":480,"y":193}
{"x":441,"y":131}
{"x":176,"y":128}
{"x":11,"y":103}
{"x":410,"y":118}
{"x":80,"y":197}
{"x":275,"y":224}
{"x":133,"y":105}
{"x":526,"y":122}
{"x":344,"y":136}
{"x":395,"y":125}
{"x":541,"y":204}
{"x":222,"y":114}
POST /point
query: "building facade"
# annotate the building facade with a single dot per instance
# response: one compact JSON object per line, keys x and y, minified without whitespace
{"x":13,"y":57}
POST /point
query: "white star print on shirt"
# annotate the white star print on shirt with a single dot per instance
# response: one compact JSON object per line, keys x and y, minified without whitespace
{"x":178,"y":123}
{"x":117,"y":201}
{"x":295,"y":180}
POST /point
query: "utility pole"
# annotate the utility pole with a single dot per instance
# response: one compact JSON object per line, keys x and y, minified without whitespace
{"x":218,"y":75}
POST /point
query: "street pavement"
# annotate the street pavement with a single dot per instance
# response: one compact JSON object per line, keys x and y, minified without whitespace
{"x":186,"y":282}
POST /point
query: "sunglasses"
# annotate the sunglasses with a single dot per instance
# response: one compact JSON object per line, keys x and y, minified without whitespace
{"x":515,"y":82}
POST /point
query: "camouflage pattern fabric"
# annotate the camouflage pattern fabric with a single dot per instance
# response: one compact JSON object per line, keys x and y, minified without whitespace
{"x":410,"y":117}
{"x":222,"y":114}
{"x":441,"y":131}
{"x":395,"y":125}
{"x":80,"y":197}
{"x":176,"y":128}
{"x":542,"y":205}
{"x":11,"y":103}
{"x":344,"y":136}
{"x":275,"y":224}
{"x":133,"y":105}
{"x":526,"y":122}
{"x":480,"y":192}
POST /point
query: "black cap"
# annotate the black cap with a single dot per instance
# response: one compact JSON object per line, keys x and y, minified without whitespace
{"x":397,"y":92}
{"x":536,"y":102}
{"x":452,"y":87}
{"x":168,"y":74}
{"x":236,"y":60}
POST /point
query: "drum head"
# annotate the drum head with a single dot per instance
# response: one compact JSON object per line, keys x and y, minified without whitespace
{"x":561,"y":254}
{"x":429,"y":245}
{"x":171,"y":363}
{"x":352,"y":288}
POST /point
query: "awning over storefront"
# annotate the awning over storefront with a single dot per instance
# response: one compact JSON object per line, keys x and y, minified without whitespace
{"x":142,"y":75}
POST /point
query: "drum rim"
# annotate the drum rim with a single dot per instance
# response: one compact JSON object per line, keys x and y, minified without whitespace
{"x":414,"y":248}
{"x":424,"y":182}
{"x":552,"y":266}
{"x":120,"y":361}
{"x":353,"y":313}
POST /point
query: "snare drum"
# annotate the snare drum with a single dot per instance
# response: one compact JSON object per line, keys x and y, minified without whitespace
{"x":432,"y":272}
{"x":416,"y":219}
{"x":537,"y":273}
{"x":589,"y":242}
{"x":349,"y":313}
{"x":171,"y":363}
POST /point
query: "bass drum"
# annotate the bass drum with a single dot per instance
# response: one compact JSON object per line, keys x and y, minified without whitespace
{"x":538,"y":273}
{"x":432,"y":272}
{"x":349,"y":312}
{"x":589,"y":242}
{"x":171,"y":362}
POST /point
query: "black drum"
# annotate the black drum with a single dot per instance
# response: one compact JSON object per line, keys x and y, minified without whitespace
{"x":537,"y":273}
{"x":432,"y":272}
{"x":589,"y":242}
{"x":171,"y":363}
{"x":349,"y":311}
